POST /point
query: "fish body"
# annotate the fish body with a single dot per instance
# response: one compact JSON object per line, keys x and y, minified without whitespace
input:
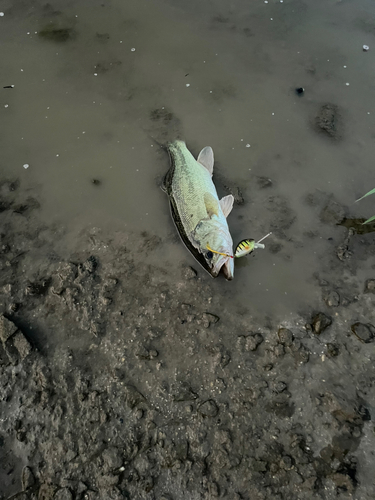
{"x":200,"y":217}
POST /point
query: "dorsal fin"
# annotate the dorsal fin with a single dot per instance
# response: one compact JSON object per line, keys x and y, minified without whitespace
{"x":212,"y":205}
{"x":226,"y":204}
{"x":206,"y":158}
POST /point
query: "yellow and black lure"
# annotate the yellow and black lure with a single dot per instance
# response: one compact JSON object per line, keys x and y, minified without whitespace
{"x":245,"y":247}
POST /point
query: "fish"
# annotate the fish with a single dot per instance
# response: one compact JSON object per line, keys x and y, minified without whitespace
{"x":198,"y":214}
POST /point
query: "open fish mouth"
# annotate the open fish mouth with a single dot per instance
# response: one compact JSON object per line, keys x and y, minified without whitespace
{"x":226,"y":264}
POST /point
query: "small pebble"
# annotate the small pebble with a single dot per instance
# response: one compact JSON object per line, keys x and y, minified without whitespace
{"x":347,"y":83}
{"x":133,"y":49}
{"x":26,"y":165}
{"x":1,"y":14}
{"x":6,"y":105}
{"x":248,"y":145}
{"x":365,"y":48}
{"x":188,"y":84}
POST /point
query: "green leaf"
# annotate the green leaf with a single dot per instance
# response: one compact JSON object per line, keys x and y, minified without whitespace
{"x":367,"y":194}
{"x":369,"y":220}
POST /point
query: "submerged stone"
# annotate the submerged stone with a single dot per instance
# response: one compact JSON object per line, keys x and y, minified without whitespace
{"x":370,"y":286}
{"x":209,"y":408}
{"x":364,"y":332}
{"x":320,"y":323}
{"x":328,"y":120}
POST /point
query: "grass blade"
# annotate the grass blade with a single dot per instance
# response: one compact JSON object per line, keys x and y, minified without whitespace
{"x":364,"y":196}
{"x":369,"y":220}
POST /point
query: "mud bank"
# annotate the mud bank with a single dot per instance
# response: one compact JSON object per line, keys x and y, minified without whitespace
{"x":118,"y":382}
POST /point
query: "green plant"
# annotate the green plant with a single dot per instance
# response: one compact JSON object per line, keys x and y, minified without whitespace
{"x":364,"y":196}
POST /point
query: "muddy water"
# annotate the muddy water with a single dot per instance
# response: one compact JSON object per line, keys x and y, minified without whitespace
{"x":82,"y":105}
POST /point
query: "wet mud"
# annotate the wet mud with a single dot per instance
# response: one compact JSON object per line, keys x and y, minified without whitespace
{"x":118,"y":383}
{"x":126,"y":372}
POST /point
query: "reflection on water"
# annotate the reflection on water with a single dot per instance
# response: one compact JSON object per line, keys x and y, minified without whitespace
{"x":93,"y":82}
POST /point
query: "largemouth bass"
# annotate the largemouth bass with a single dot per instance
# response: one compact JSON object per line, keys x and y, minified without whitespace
{"x":200,"y":217}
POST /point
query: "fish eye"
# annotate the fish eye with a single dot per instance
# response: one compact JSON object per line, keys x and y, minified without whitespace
{"x":209,"y":255}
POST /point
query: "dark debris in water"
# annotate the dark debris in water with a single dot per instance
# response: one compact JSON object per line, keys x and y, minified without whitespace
{"x":162,"y":115}
{"x":358,"y":225}
{"x":102,"y":37}
{"x":56,"y":34}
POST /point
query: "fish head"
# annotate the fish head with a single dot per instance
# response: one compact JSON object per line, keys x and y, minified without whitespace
{"x":220,"y":242}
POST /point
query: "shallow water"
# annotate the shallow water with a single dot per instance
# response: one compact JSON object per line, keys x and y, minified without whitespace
{"x":81,"y":109}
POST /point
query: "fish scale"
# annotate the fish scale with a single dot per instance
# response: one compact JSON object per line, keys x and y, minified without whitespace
{"x":191,"y":181}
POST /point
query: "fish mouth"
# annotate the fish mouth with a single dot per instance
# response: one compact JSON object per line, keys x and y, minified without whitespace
{"x":228,"y":269}
{"x":226,"y":264}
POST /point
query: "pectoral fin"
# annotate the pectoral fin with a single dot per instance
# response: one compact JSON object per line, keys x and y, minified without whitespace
{"x":226,"y":204}
{"x":206,"y":158}
{"x":212,"y":205}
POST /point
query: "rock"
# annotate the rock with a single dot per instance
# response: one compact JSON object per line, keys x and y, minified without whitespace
{"x":343,"y":252}
{"x":279,"y":387}
{"x":208,"y":408}
{"x":253,"y":341}
{"x":210,"y":319}
{"x":279,"y":350}
{"x":144,"y":353}
{"x":264,"y":182}
{"x":11,"y":352}
{"x":328,"y":121}
{"x":22,"y":345}
{"x":332,"y":350}
{"x":320,"y":323}
{"x":285,"y":336}
{"x":332,"y":213}
{"x":365,"y":333}
{"x":189,"y":273}
{"x":332,"y":299}
{"x":185,"y":393}
{"x":7,"y":329}
{"x":63,"y":494}
{"x":302,"y":354}
{"x":370,"y":286}
{"x":27,"y":478}
{"x":89,"y":266}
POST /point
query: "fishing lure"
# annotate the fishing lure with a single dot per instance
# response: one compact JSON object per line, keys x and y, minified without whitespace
{"x":245,"y":247}
{"x":220,"y":253}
